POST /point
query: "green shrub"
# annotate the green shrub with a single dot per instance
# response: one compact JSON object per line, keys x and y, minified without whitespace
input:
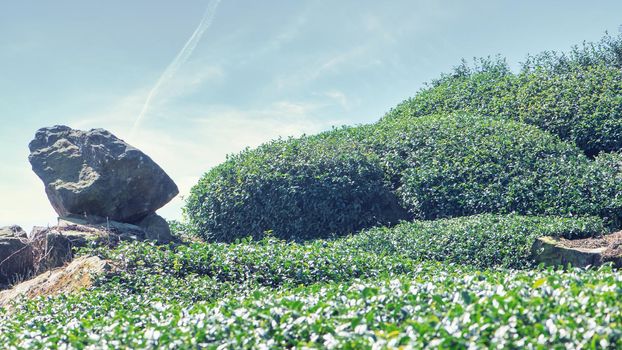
{"x":577,"y":96}
{"x":459,"y":165}
{"x":582,"y":105}
{"x":296,"y":189}
{"x":488,"y":88}
{"x":606,"y":177}
{"x":482,"y":241}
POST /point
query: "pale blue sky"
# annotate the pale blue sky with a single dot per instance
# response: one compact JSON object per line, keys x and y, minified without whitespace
{"x":262,"y":69}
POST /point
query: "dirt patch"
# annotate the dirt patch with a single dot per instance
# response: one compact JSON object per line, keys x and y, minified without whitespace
{"x":77,"y":275}
{"x":612,"y":242}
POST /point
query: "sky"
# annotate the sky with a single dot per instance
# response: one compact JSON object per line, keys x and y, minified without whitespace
{"x":260,"y":70}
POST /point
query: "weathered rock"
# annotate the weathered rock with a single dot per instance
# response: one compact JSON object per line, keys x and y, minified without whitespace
{"x":156,"y":228}
{"x":77,"y":275}
{"x":94,"y":229}
{"x":16,"y":258}
{"x":13,"y":231}
{"x":95,"y":173}
{"x":560,"y":252}
{"x":21,"y":257}
{"x":50,"y":248}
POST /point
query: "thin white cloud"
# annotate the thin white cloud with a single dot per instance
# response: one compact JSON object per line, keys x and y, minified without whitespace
{"x":179,"y":60}
{"x":339,"y":97}
{"x":321,"y":67}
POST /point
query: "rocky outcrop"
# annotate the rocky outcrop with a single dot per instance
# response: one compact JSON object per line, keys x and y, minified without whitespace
{"x":156,"y":228}
{"x":16,"y":255}
{"x":94,"y":173}
{"x":79,"y":274}
{"x":104,"y":191}
{"x":49,"y":247}
{"x":552,"y":251}
{"x":22,"y":256}
{"x":99,"y":230}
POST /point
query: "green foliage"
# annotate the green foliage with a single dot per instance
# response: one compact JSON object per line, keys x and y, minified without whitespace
{"x":483,"y":241}
{"x":606,"y":176}
{"x":372,"y":289}
{"x":297,"y":189}
{"x":458,"y":165}
{"x":266,"y":263}
{"x":436,"y":306}
{"x":576,"y":96}
{"x":582,"y":104}
{"x":450,"y":163}
{"x":488,"y":88}
{"x":607,"y":51}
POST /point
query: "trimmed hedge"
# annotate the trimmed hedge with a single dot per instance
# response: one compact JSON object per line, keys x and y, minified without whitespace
{"x":425,"y":160}
{"x":577,"y":96}
{"x":297,"y":189}
{"x":482,"y":241}
{"x":429,"y":167}
{"x":459,"y":165}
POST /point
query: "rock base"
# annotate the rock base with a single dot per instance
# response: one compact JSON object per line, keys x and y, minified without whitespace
{"x":23,"y":256}
{"x":587,"y":252}
{"x":77,"y":275}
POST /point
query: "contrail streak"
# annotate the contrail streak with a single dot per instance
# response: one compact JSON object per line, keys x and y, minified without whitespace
{"x":179,"y":60}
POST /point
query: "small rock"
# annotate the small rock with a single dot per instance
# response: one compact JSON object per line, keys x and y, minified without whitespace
{"x":156,"y":228}
{"x":553,"y":251}
{"x":16,"y":258}
{"x":94,"y":173}
{"x":13,"y":231}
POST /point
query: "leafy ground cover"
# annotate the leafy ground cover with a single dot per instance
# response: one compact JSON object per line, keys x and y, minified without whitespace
{"x":378,"y":289}
{"x":434,"y":306}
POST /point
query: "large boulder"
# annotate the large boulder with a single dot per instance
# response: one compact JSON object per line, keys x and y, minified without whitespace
{"x":95,"y":173}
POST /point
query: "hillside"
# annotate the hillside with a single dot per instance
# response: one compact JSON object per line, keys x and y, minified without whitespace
{"x":418,"y":231}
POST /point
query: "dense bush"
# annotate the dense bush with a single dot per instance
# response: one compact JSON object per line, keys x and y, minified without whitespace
{"x":483,"y":241}
{"x":487,"y":88}
{"x":606,"y":176}
{"x":583,"y":105}
{"x":577,"y":95}
{"x":298,"y":189}
{"x":437,"y":166}
{"x":459,"y":147}
{"x":458,"y":165}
